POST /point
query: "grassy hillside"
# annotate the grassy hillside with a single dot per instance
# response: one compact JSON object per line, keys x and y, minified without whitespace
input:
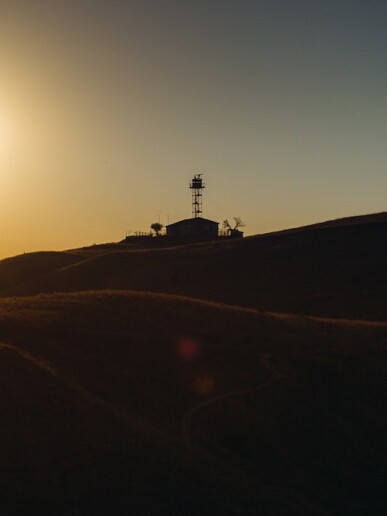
{"x":229,"y":377}
{"x":26,"y":267}
{"x":335,"y":269}
{"x":135,"y":403}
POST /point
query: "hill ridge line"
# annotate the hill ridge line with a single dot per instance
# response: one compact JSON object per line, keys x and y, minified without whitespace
{"x":284,"y":316}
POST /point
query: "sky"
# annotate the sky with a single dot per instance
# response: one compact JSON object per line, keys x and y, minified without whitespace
{"x":108,"y":108}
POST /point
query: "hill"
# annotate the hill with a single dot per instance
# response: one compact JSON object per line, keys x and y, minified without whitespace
{"x":130,"y":402}
{"x":355,"y":220}
{"x":19,"y":269}
{"x":225,"y":377}
{"x":335,"y":269}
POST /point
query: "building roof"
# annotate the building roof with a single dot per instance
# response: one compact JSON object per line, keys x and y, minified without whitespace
{"x":197,"y":221}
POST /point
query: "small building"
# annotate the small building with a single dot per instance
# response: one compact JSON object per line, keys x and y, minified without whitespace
{"x":195,"y":227}
{"x":235,"y":233}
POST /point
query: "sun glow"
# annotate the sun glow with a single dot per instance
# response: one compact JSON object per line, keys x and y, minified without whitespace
{"x":5,"y":137}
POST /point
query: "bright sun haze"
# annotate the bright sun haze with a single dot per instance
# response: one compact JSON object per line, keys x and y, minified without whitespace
{"x":108,"y":108}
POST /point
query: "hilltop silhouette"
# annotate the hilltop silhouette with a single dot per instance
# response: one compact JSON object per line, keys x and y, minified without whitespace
{"x":334,"y":269}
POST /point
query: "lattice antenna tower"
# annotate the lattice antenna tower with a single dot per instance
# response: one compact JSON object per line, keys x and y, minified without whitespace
{"x":197,"y":186}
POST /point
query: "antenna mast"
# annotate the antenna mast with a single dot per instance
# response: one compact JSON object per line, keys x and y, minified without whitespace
{"x":197,"y":186}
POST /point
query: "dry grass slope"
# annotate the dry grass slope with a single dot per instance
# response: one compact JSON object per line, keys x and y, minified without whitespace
{"x":285,"y":413}
{"x":19,"y":269}
{"x":332,"y":270}
{"x":232,"y":377}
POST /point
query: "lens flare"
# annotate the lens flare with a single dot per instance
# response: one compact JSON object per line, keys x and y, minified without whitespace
{"x":204,"y":384}
{"x":188,"y":349}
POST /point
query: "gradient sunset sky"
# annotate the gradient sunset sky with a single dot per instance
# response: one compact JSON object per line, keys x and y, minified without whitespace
{"x":108,"y":108}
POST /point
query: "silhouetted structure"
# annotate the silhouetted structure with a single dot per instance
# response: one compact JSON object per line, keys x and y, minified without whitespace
{"x":235,"y":233}
{"x":197,"y":186}
{"x":195,"y":227}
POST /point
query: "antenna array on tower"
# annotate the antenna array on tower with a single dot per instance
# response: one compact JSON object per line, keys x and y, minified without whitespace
{"x":197,"y":186}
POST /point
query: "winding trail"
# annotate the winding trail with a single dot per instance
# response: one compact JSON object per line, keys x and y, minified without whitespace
{"x":115,"y":410}
{"x":188,"y":416}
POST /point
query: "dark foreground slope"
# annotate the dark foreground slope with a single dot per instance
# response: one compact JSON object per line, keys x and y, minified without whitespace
{"x":334,"y":270}
{"x":132,"y":403}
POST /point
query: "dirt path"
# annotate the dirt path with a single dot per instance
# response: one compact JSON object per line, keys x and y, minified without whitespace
{"x":41,"y":363}
{"x":186,"y":422}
